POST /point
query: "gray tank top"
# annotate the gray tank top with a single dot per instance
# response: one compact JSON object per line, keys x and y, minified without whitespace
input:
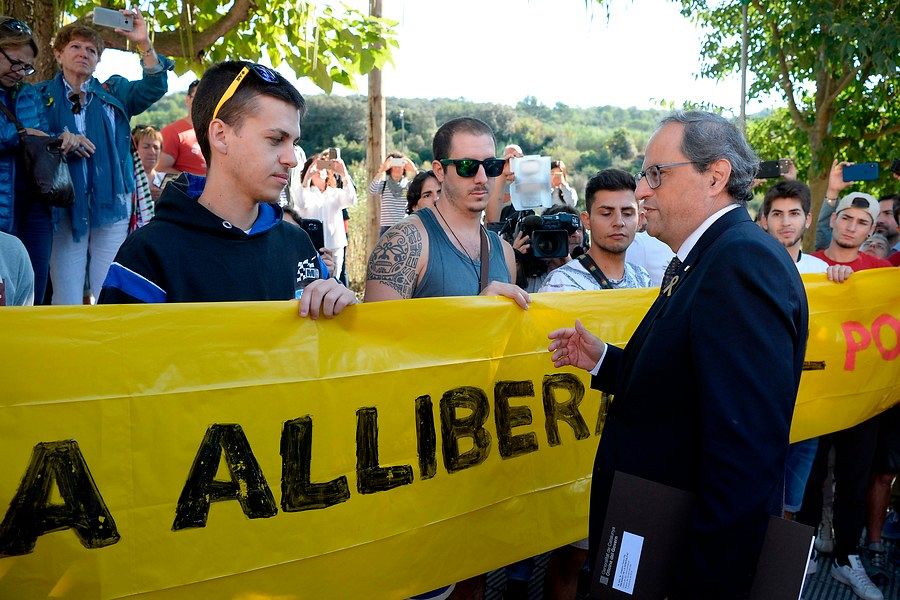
{"x":449,"y":271}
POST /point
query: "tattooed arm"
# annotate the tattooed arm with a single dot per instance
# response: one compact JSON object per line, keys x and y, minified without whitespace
{"x":397,"y":262}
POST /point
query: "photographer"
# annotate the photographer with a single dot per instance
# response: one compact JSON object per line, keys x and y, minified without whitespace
{"x":100,"y":161}
{"x":323,"y":200}
{"x":391,"y":184}
{"x":546,"y":232}
{"x":562,"y":193}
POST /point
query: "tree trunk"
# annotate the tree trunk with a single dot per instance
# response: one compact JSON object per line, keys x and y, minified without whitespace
{"x":817,"y":178}
{"x":43,"y":18}
{"x":375,"y":145}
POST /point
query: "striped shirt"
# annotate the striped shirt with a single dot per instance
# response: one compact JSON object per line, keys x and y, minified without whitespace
{"x":393,"y":199}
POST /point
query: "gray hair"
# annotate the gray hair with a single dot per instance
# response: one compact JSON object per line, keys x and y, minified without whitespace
{"x":709,"y":137}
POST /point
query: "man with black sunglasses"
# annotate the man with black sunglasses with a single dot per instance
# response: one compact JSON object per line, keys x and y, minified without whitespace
{"x":705,"y":388}
{"x":222,"y":238}
{"x":445,"y":250}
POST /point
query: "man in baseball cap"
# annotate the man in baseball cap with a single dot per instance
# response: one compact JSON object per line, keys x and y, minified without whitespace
{"x":852,"y":222}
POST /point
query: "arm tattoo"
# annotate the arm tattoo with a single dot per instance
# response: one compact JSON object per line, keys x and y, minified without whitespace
{"x":394,"y":260}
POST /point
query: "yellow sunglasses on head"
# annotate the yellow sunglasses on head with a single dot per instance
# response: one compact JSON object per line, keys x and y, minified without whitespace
{"x":264,"y":73}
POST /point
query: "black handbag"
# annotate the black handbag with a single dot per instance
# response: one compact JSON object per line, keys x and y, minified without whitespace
{"x":46,"y":168}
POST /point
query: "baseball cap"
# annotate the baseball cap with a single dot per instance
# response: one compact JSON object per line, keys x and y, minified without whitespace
{"x":859,"y":200}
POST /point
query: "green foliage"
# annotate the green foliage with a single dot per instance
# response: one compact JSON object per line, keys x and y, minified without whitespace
{"x":169,"y":109}
{"x":318,"y":41}
{"x":835,"y":64}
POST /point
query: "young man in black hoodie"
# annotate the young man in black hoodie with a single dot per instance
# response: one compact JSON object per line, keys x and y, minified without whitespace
{"x":221,"y":238}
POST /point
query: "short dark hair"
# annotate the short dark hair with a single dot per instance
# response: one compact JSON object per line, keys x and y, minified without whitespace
{"x":414,"y":191}
{"x":192,"y":86}
{"x":213,"y":85}
{"x":796,"y":190}
{"x":896,"y":205}
{"x":440,"y":147}
{"x":710,"y":137}
{"x":609,"y":180}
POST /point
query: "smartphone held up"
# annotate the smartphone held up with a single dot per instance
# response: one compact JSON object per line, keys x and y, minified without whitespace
{"x":115,"y":19}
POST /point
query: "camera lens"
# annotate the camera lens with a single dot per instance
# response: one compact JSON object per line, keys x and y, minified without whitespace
{"x":550,"y":244}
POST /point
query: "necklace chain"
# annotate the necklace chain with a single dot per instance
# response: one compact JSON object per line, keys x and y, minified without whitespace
{"x":453,"y":233}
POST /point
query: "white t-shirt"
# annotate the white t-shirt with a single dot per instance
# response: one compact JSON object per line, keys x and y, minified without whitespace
{"x":811,"y":264}
{"x":648,"y":252}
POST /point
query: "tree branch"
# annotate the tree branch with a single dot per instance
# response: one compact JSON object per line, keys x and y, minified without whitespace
{"x":785,"y":78}
{"x":847,"y":78}
{"x":170,"y":42}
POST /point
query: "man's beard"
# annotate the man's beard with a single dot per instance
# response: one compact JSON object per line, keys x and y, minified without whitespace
{"x":795,"y":240}
{"x":611,"y":249}
{"x":847,"y":245}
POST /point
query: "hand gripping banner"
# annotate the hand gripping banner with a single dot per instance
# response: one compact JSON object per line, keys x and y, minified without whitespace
{"x":238,"y":450}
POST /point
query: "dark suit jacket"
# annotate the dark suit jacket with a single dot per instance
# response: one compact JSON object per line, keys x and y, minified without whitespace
{"x":704,"y":393}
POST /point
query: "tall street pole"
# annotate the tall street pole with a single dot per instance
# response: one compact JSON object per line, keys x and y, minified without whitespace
{"x":375,"y":142}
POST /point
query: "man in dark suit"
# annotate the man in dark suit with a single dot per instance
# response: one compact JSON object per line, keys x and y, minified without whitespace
{"x":705,"y":388}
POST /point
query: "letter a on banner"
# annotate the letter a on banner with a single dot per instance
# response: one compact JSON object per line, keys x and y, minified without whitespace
{"x":202,"y":488}
{"x":31,"y":514}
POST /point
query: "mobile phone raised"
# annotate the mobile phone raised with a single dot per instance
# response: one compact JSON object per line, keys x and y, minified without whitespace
{"x":397,"y":162}
{"x":113,"y":18}
{"x":334,"y":153}
{"x":864,"y":171}
{"x":770,"y":169}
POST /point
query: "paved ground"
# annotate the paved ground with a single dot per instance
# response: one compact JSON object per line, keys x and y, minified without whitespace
{"x":820,"y":586}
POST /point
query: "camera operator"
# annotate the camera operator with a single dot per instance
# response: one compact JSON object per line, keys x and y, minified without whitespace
{"x":544,"y":243}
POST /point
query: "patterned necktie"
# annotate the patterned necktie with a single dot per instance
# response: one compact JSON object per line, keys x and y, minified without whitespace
{"x":669,"y":277}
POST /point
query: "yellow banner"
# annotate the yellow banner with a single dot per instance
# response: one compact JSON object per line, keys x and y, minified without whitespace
{"x":237,"y":450}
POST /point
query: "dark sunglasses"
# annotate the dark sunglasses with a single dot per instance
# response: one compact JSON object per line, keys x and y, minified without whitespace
{"x":75,"y":99}
{"x":15,"y":26}
{"x":264,"y":73}
{"x":468,"y":167}
{"x":18,"y":66}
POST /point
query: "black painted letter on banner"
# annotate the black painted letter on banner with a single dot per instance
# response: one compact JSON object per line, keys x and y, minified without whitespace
{"x":370,"y":477}
{"x":297,"y":493}
{"x":506,"y":417}
{"x":426,"y":438}
{"x":563,"y":411}
{"x":31,"y":514}
{"x":454,"y":427}
{"x":247,"y":485}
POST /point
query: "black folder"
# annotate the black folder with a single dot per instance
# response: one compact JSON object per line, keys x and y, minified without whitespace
{"x":645,"y":530}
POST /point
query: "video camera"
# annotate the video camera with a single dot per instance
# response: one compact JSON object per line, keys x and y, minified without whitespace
{"x":549,"y":233}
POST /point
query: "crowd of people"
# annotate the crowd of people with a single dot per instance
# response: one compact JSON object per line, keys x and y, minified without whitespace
{"x":189,"y":213}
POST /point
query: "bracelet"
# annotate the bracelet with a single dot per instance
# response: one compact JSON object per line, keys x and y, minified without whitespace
{"x":146,"y":52}
{"x":830,"y":200}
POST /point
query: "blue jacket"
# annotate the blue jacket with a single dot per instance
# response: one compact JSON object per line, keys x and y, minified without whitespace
{"x":25,"y":102}
{"x":103,"y":203}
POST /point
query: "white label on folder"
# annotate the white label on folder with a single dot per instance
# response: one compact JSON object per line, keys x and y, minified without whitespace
{"x":627,"y":565}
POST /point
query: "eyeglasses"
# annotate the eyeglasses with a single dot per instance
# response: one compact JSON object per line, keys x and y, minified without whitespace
{"x":18,"y":66}
{"x":15,"y":26}
{"x":75,"y":99}
{"x":653,"y":175}
{"x":264,"y":73}
{"x":468,"y":167}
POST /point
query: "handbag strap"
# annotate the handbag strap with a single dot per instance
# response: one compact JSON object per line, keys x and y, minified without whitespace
{"x":588,"y":263}
{"x":485,"y":260}
{"x":20,"y":129}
